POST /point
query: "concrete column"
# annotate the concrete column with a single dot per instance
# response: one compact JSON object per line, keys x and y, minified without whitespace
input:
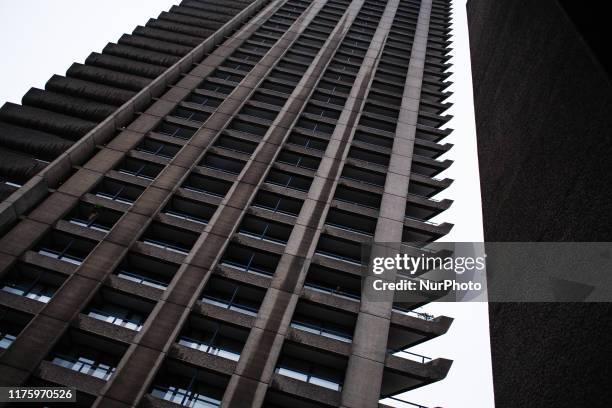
{"x":371,"y":332}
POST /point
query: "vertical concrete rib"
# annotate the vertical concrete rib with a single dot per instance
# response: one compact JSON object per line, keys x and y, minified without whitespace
{"x":372,"y":328}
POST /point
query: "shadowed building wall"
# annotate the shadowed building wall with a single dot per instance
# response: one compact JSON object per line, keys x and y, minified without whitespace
{"x":543,"y":105}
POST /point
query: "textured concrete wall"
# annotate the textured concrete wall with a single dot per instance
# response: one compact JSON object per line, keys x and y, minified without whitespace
{"x":543,"y":121}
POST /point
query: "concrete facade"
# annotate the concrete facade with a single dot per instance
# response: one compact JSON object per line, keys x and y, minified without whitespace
{"x":209,"y":250}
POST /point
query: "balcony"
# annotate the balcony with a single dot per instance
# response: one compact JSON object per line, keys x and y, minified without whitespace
{"x":169,"y":238}
{"x":117,"y":191}
{"x":189,"y":210}
{"x":261,"y":228}
{"x":146,"y":271}
{"x":207,"y":185}
{"x":65,"y":247}
{"x":277,"y":203}
{"x":333,"y":282}
{"x":93,"y":217}
{"x":213,"y":337}
{"x":323,"y":321}
{"x":119,"y":309}
{"x":12,"y":323}
{"x":188,"y":386}
{"x":87,"y":354}
{"x":31,"y":282}
{"x":231,"y":295}
{"x":311,"y":366}
{"x":250,"y":260}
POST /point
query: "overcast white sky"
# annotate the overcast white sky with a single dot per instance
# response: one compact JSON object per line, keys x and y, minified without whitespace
{"x":39,"y":38}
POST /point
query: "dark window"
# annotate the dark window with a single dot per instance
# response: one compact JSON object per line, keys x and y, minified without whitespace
{"x":213,"y":337}
{"x":312,"y":366}
{"x":230,"y":295}
{"x":173,"y":130}
{"x":157,"y":148}
{"x":169,"y":238}
{"x":278,"y":203}
{"x":261,"y":228}
{"x":207,"y":185}
{"x":250,"y":260}
{"x":118,"y":191}
{"x":32,"y":282}
{"x":188,"y":386}
{"x":93,"y":216}
{"x":190,"y":210}
{"x":146,"y":271}
{"x":65,"y":247}
{"x":140,"y":168}
{"x":119,"y":309}
{"x":333,"y":282}
{"x":324,"y":321}
{"x":12,"y":323}
{"x":87,"y":354}
{"x":288,"y":180}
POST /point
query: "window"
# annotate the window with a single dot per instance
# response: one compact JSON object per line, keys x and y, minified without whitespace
{"x":369,"y":156}
{"x":146,"y":271}
{"x":235,"y":144}
{"x":87,"y":354}
{"x":140,"y":168}
{"x":213,"y":337}
{"x":216,"y":87}
{"x":156,"y":148}
{"x":118,"y":191}
{"x":322,"y":112}
{"x":314,"y":127}
{"x":340,"y":249}
{"x":12,"y":323}
{"x":350,"y":221}
{"x":363,"y":176}
{"x":357,"y":197}
{"x":65,"y":247}
{"x":260,"y":113}
{"x":169,"y":238}
{"x":230,"y":295}
{"x":189,"y":210}
{"x":260,"y":228}
{"x":93,"y":217}
{"x":190,"y":114}
{"x":119,"y":309}
{"x":248,"y":127}
{"x":307,"y":142}
{"x":208,"y":185}
{"x":32,"y":282}
{"x":250,"y":260}
{"x":312,"y":366}
{"x":298,"y":160}
{"x":188,"y":386}
{"x":333,"y":282}
{"x":173,"y":130}
{"x":204,"y":100}
{"x":290,"y":180}
{"x":324,"y":321}
{"x":277,"y":203}
{"x":222,"y":163}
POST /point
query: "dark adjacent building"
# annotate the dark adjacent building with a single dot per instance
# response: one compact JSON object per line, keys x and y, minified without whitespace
{"x":543,"y":102}
{"x":195,"y":199}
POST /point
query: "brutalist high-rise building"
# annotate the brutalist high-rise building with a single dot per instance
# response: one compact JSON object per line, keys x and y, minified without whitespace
{"x":184,"y":213}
